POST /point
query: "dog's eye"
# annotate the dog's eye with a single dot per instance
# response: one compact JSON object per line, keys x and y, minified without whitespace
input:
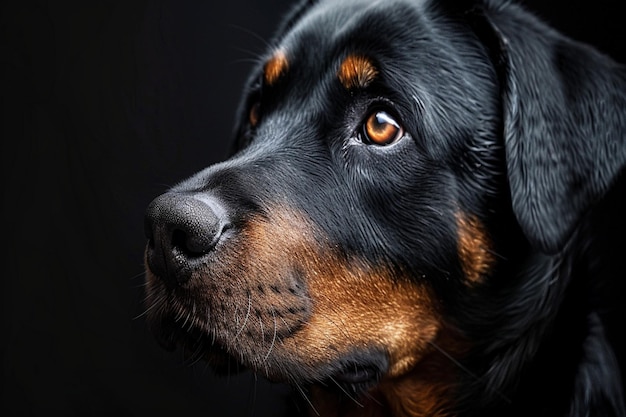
{"x":381,"y":128}
{"x":255,"y":114}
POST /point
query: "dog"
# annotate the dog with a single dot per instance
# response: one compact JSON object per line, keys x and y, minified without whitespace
{"x":423,"y":215}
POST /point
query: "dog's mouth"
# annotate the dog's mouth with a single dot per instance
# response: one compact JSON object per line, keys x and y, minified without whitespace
{"x":358,"y":373}
{"x":348,"y":348}
{"x":350,"y":376}
{"x":281,"y":302}
{"x":353,"y":373}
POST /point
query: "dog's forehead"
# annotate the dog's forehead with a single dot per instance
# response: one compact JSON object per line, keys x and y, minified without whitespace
{"x":347,"y":9}
{"x":349,"y":38}
{"x":330,"y":25}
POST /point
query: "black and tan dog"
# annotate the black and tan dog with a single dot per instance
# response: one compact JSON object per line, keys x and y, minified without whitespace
{"x":423,"y":216}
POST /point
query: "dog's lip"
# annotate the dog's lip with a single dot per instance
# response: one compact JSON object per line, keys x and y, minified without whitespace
{"x":359,"y":371}
{"x":357,"y":374}
{"x":201,"y":347}
{"x":171,"y":336}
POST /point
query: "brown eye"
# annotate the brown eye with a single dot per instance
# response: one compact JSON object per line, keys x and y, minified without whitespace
{"x":255,"y":114}
{"x":382,"y":129}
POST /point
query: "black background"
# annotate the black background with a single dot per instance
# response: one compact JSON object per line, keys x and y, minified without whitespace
{"x":105,"y":105}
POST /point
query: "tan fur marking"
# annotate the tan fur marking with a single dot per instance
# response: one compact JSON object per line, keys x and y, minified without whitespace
{"x":353,"y":302}
{"x":356,"y":304}
{"x":474,"y":248}
{"x":275,"y":67}
{"x":434,"y":378}
{"x":357,"y":72}
{"x":279,"y":292}
{"x":426,"y":390}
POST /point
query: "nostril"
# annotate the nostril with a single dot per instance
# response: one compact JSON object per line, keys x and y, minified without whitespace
{"x":179,"y":239}
{"x":194,"y":245}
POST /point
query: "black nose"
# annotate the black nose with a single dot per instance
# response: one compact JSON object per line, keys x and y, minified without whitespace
{"x":181,"y":230}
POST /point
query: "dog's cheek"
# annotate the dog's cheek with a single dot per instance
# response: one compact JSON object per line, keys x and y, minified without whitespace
{"x":474,"y":248}
{"x":360,"y":307}
{"x":342,"y":303}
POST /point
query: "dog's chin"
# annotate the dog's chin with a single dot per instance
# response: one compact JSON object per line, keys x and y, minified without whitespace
{"x":196,"y":346}
{"x":351,"y":374}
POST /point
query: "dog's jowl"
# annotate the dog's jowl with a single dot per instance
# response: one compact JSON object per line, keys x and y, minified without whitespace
{"x":423,"y":215}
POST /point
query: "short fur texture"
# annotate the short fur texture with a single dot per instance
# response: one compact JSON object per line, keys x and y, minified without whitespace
{"x":423,"y":215}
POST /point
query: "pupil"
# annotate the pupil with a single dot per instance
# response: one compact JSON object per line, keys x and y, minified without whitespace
{"x":381,"y":128}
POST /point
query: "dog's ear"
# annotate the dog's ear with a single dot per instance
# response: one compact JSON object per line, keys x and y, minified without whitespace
{"x":564,"y":121}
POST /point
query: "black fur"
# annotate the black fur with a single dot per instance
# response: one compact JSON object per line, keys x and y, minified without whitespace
{"x":505,"y":119}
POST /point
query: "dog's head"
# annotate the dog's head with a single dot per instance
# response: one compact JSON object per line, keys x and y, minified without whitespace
{"x":393,"y":160}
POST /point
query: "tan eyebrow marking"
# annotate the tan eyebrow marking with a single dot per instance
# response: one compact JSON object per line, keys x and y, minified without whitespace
{"x":275,"y":67}
{"x":357,"y":71}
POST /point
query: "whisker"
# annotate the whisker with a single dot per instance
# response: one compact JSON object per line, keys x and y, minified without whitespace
{"x":207,"y":322}
{"x":286,"y":325}
{"x":192,"y":315}
{"x":372,"y":398}
{"x":273,"y":338}
{"x":140,"y":285}
{"x":247,"y":61}
{"x":196,"y":355}
{"x":453,"y":360}
{"x":187,"y":315}
{"x":158,"y":302}
{"x":346,"y":392}
{"x":245,"y":320}
{"x":464,"y":368}
{"x":141,"y":274}
{"x":253,"y":394}
{"x":341,"y":326}
{"x":306,"y":398}
{"x":255,"y":35}
{"x":254,"y":55}
{"x":262,"y":332}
